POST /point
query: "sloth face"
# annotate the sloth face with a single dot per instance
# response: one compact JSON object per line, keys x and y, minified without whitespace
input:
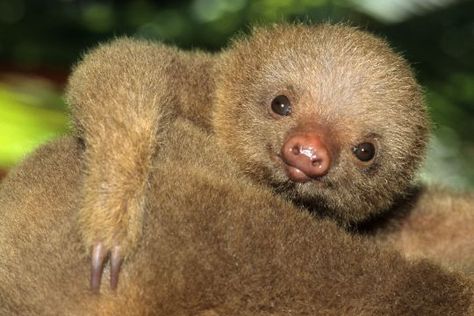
{"x":326,"y":114}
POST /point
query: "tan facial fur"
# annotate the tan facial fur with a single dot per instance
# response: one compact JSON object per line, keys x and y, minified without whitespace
{"x":345,"y":82}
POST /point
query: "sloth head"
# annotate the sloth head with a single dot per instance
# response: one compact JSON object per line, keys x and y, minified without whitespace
{"x":328,"y":114}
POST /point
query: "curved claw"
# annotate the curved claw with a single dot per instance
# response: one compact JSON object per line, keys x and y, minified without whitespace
{"x":115,"y":264}
{"x":99,"y":257}
{"x":99,"y":254}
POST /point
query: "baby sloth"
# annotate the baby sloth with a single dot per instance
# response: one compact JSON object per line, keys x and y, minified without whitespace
{"x":328,"y":116}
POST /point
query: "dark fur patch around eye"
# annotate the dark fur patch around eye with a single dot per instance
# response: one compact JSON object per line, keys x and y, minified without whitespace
{"x":372,"y":168}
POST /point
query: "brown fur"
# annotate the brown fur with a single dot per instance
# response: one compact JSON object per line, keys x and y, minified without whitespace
{"x":117,"y":95}
{"x":148,"y":187}
{"x":439,"y":225}
{"x":235,"y":248}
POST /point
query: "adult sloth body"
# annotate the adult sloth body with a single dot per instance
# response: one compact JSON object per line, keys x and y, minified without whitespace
{"x":212,"y":243}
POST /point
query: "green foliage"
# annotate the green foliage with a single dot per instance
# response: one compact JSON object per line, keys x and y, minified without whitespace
{"x":31,"y":112}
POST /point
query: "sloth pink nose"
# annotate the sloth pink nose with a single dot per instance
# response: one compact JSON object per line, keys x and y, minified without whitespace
{"x":306,"y":157}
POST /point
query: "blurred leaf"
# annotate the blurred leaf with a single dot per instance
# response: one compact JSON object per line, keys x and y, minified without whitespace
{"x":28,"y":119}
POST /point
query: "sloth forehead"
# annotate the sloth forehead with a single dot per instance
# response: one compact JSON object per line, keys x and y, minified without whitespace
{"x":327,"y":69}
{"x":306,"y":54}
{"x":331,"y":85}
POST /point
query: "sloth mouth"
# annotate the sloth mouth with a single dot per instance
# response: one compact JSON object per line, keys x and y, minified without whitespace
{"x":290,"y":172}
{"x":294,"y":173}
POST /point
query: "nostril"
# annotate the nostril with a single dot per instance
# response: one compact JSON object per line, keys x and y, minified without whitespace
{"x":316,"y":162}
{"x":295,"y":150}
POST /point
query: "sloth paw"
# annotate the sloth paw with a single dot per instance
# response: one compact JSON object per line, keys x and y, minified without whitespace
{"x":110,"y":238}
{"x":111,"y":223}
{"x":99,"y":256}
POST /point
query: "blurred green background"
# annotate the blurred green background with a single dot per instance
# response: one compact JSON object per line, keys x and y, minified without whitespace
{"x":40,"y":41}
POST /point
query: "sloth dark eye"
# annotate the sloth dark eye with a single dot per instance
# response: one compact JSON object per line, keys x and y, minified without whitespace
{"x":364,"y":151}
{"x":281,"y":105}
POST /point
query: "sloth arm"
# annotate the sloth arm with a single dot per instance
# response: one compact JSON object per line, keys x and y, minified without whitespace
{"x":123,"y":96}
